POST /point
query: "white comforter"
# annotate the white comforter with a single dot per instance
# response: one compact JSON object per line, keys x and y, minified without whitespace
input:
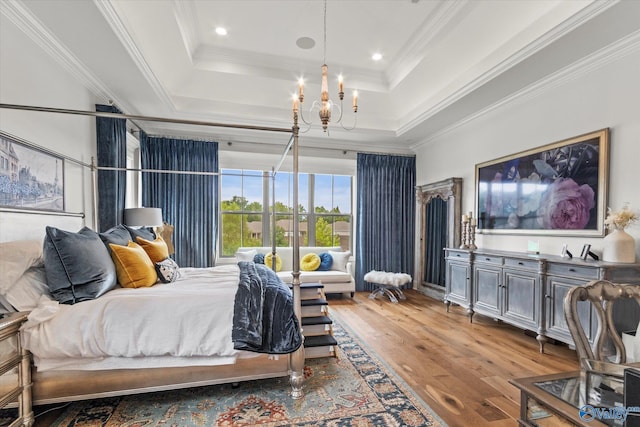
{"x":191,"y":317}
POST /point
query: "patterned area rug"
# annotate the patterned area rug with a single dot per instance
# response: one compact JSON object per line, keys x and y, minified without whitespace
{"x":355,"y":389}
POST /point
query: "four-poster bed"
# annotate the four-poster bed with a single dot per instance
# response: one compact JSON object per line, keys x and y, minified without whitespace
{"x":68,"y":385}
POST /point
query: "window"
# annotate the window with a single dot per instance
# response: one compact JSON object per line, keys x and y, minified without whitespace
{"x":324,"y":208}
{"x":242,"y":201}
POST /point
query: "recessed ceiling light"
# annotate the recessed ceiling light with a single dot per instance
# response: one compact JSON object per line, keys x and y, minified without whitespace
{"x":376,"y":56}
{"x":221,"y":31}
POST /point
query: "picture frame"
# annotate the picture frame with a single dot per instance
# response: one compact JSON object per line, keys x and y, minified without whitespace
{"x":585,"y":251}
{"x":556,"y":189}
{"x":30,"y":178}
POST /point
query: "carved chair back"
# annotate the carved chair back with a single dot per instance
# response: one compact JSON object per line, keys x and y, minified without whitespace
{"x":602,"y":296}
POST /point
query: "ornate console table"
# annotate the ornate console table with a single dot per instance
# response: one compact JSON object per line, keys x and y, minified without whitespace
{"x":528,"y":291}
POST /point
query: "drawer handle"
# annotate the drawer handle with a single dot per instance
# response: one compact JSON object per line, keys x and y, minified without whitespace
{"x":487,"y":259}
{"x":547,"y":296}
{"x":457,"y":255}
{"x":573,"y":270}
{"x":520,"y":263}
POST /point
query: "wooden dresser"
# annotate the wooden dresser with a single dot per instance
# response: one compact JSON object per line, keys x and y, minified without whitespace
{"x":528,"y":290}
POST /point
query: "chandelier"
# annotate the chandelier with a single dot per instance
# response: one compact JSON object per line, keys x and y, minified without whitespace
{"x":325,"y":106}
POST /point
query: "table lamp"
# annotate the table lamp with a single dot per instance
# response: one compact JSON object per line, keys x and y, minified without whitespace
{"x":143,"y":217}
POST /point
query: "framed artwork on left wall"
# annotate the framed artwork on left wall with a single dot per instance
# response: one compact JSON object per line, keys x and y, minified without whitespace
{"x":30,"y":177}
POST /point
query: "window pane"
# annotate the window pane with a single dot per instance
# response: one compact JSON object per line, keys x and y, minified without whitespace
{"x":231,"y":184}
{"x":342,"y":193}
{"x":237,"y":231}
{"x":283,"y":192}
{"x":323,"y":194}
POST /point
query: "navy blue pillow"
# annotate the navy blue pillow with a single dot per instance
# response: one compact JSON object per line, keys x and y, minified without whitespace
{"x":118,"y":235}
{"x":326,"y":261}
{"x":77,"y":265}
{"x":258,"y":259}
{"x":145,"y":232}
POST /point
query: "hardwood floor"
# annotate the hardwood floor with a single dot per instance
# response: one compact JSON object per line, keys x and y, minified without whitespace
{"x":460,"y":369}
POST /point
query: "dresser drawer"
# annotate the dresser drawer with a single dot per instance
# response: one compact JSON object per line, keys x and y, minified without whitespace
{"x":488,"y":259}
{"x":460,"y":256}
{"x":572,"y":271}
{"x":519,"y":263}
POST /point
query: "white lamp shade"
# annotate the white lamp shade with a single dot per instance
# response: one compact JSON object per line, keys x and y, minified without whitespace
{"x":143,"y":217}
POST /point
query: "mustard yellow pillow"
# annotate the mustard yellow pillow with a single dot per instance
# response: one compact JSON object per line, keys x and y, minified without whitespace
{"x":310,"y":262}
{"x":156,"y":249}
{"x":267,"y":261}
{"x":134,"y":268}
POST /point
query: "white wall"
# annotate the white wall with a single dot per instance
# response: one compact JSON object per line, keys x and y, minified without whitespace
{"x":590,"y":99}
{"x":29,"y":76}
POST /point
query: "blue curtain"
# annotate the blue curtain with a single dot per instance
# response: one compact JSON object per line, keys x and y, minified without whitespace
{"x":435,"y":239}
{"x":386,"y":215}
{"x":111,"y":141}
{"x":188,"y":201}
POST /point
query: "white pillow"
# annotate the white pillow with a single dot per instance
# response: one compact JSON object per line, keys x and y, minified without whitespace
{"x":26,"y":292}
{"x":15,"y":258}
{"x":340,"y":260}
{"x":246,"y":255}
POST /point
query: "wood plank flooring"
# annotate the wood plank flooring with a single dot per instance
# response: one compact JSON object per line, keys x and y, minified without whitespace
{"x":460,"y":369}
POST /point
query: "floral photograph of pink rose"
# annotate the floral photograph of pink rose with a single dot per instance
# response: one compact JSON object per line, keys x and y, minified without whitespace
{"x":566,"y":205}
{"x":557,"y":188}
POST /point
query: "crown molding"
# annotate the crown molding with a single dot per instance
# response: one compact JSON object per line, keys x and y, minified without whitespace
{"x":26,"y":22}
{"x":410,"y":55}
{"x":110,"y":13}
{"x":545,"y":40}
{"x":185,"y":14}
{"x":615,"y":51}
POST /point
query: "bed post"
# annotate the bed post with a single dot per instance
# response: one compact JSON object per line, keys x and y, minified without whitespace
{"x":297,"y":357}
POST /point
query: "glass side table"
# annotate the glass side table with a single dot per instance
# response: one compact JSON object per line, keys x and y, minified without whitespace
{"x":563,"y":400}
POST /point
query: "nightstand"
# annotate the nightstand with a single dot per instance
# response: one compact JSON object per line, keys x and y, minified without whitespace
{"x":15,"y":369}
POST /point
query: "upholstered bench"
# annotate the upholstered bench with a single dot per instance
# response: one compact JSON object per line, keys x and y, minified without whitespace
{"x":387,"y":283}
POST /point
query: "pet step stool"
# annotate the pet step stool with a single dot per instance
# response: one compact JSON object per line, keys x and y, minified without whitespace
{"x":316,"y":323}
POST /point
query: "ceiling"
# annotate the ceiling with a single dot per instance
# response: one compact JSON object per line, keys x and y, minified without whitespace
{"x":443,"y":60}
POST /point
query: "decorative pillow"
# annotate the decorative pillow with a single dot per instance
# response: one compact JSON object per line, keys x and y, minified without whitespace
{"x":77,"y":265}
{"x":340,"y":260}
{"x":167,"y":270}
{"x":310,"y":262}
{"x":118,"y":235}
{"x":268,"y":261}
{"x":326,"y":260}
{"x":26,"y":293}
{"x":133,"y":266}
{"x":144,"y":232}
{"x":17,"y":257}
{"x":156,"y":249}
{"x":258,"y":259}
{"x":246,"y":255}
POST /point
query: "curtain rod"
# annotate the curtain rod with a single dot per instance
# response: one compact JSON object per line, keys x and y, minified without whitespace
{"x":169,"y":171}
{"x":139,"y":117}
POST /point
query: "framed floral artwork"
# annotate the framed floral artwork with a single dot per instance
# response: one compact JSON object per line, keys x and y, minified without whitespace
{"x":556,"y":189}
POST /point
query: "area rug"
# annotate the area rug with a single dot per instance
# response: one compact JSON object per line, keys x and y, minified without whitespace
{"x":355,"y":389}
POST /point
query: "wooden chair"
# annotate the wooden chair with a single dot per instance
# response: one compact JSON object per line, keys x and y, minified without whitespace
{"x":607,"y":341}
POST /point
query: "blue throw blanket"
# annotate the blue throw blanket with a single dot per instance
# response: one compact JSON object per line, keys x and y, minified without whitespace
{"x":263,"y":317}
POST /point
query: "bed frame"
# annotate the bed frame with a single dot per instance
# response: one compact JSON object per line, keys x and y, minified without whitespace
{"x":64,"y":386}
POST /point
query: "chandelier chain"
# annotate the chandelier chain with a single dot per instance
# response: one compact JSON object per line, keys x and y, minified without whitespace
{"x":325,"y":33}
